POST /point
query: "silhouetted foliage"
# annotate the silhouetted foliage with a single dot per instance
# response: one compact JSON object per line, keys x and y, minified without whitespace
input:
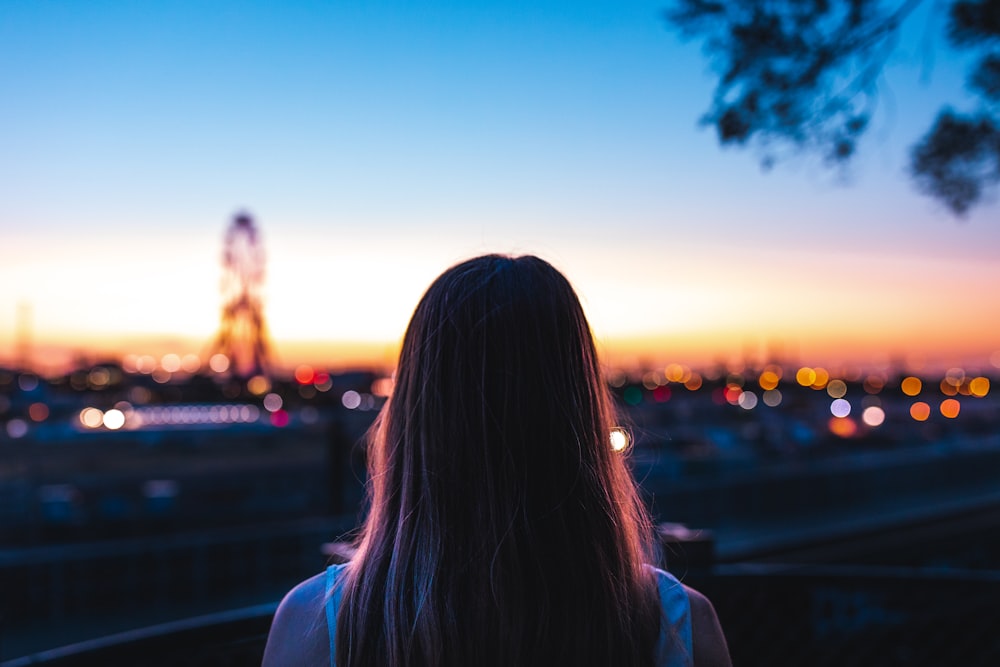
{"x":803,"y":74}
{"x":957,"y":158}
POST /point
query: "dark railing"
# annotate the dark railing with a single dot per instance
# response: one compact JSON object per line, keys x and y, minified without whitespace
{"x":227,"y":639}
{"x":59,"y":584}
{"x":857,"y":615}
{"x":773,"y":615}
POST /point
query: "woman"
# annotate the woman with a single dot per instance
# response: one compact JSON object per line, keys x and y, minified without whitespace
{"x":503,"y":529}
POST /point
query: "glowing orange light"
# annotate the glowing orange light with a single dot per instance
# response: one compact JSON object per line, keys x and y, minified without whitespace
{"x":950,"y":408}
{"x":805,"y":376}
{"x":693,"y":383}
{"x":822,"y":377}
{"x":674,"y":373}
{"x":843,"y":427}
{"x":768,"y":380}
{"x":920,"y":411}
{"x":947,"y":388}
{"x":911,"y":386}
{"x":305,"y":374}
{"x":382,"y":387}
{"x":258,"y":385}
{"x":979,"y":387}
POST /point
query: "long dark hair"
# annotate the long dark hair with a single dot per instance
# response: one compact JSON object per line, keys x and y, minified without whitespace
{"x":503,"y":528}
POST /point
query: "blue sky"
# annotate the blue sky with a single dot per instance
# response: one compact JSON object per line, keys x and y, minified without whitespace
{"x":378,"y":142}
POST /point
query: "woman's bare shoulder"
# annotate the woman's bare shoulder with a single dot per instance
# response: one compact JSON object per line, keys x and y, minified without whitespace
{"x":709,"y":643}
{"x":298,"y":634}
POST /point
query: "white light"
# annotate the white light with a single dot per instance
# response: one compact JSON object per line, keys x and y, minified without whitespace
{"x":114,"y":419}
{"x":27,"y":382}
{"x":840,"y":408}
{"x":619,"y":439}
{"x":272,"y":402}
{"x":748,"y":400}
{"x":91,"y":417}
{"x":219,"y":363}
{"x":873,"y":415}
{"x":351,"y":399}
{"x":145,"y":364}
{"x":17,"y":428}
{"x":170,"y":363}
{"x":190,"y":363}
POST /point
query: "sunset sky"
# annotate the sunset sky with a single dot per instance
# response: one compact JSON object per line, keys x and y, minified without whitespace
{"x":376,"y":143}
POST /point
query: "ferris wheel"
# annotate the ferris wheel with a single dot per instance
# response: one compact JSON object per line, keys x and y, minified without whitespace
{"x":242,"y":336}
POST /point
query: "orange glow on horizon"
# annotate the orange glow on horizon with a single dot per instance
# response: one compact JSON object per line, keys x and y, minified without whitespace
{"x":675,"y":356}
{"x":697,"y":348}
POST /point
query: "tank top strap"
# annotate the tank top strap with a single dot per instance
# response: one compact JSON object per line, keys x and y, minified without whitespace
{"x":674,"y":646}
{"x":334,"y":593}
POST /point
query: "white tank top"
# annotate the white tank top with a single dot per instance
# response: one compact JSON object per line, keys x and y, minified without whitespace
{"x":673,"y":647}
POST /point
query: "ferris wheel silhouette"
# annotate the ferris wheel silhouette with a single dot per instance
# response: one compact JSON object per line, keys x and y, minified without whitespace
{"x":242,"y":336}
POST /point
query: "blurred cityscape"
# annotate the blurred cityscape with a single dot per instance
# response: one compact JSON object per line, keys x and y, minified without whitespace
{"x":177,"y":466}
{"x":140,"y":490}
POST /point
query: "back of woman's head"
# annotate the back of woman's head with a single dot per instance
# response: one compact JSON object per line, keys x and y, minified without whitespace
{"x":503,"y":528}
